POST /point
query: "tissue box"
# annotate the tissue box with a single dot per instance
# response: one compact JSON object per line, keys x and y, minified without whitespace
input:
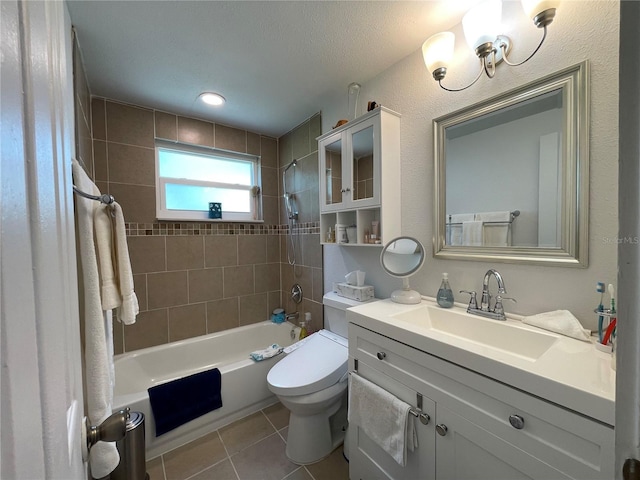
{"x":361,"y":294}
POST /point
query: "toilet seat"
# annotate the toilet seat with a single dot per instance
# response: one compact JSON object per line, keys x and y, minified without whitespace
{"x":320,"y":363}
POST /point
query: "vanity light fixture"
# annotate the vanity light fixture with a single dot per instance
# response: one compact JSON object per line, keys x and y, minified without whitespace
{"x":481,"y":26}
{"x":213,"y":99}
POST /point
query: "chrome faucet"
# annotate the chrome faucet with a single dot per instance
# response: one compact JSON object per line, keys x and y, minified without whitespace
{"x":485,"y":310}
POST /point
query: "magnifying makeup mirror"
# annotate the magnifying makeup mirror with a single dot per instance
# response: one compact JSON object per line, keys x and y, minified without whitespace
{"x":402,"y":257}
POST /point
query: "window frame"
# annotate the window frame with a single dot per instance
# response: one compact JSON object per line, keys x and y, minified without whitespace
{"x":162,"y":213}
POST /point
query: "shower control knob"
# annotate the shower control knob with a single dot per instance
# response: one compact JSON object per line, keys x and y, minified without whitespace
{"x":516,"y":421}
{"x":381,"y":355}
{"x":442,"y":429}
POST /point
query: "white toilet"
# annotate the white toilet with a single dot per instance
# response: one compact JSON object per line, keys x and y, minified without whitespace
{"x":312,"y":383}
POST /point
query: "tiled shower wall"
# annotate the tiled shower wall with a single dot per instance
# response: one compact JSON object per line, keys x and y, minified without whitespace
{"x":197,"y":278}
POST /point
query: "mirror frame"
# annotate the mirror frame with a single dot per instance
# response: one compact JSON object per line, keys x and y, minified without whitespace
{"x":574,"y":249}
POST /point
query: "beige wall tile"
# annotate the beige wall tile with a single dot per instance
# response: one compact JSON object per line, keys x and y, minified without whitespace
{"x":238,"y":281}
{"x":252,"y":249}
{"x":195,"y":131}
{"x":285,"y":152}
{"x":131,"y":164}
{"x":253,"y":143}
{"x":138,"y":202}
{"x":269,"y":181}
{"x":147,"y":254}
{"x":187,"y":321}
{"x":229,"y":138}
{"x":273,"y":248}
{"x":140,"y":288}
{"x":270,"y":209}
{"x":166,"y":125}
{"x":315,"y":130}
{"x":311,"y":250}
{"x":269,"y":152}
{"x":98,"y":119}
{"x":150,"y":329}
{"x":205,"y":284}
{"x":221,"y":250}
{"x":274,"y":301}
{"x":222,"y":315}
{"x":267,"y":277}
{"x":100,"y":164}
{"x":185,"y":252}
{"x":118,"y":337}
{"x":130,"y":125}
{"x":300,"y":141}
{"x":167,"y":289}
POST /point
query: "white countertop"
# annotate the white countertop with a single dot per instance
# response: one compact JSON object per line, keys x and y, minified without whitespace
{"x":571,"y":373}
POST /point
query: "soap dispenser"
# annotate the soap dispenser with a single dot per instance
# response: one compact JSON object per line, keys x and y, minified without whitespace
{"x":445,"y":295}
{"x":303,"y":325}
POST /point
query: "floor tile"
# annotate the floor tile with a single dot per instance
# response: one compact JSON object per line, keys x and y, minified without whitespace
{"x":193,"y":457}
{"x":300,"y":474}
{"x":278,"y":415}
{"x":265,"y":460}
{"x":154,"y":469}
{"x":245,"y":432}
{"x":220,"y":471}
{"x":334,"y":467}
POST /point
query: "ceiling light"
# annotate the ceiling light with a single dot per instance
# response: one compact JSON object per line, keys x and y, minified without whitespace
{"x":214,"y":99}
{"x":481,"y":26}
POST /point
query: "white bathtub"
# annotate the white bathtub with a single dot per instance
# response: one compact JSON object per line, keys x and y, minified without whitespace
{"x":244,"y":382}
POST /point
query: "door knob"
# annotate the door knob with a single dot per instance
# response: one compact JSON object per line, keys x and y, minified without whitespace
{"x":442,"y":429}
{"x":381,"y":355}
{"x":516,"y":421}
{"x":114,"y":428}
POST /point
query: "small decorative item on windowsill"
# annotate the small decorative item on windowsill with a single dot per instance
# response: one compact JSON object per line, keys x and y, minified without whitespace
{"x":215,"y":210}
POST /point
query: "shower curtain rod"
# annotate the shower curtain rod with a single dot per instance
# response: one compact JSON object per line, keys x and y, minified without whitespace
{"x":104,"y":198}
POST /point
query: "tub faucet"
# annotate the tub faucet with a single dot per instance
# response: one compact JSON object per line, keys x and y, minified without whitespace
{"x":485,"y":310}
{"x":292,"y":317}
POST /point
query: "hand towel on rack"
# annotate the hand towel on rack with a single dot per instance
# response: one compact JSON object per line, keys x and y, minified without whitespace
{"x":129,"y":308}
{"x":383,"y":417}
{"x":103,"y":227}
{"x":104,"y":457}
{"x":472,"y":233}
{"x":180,"y":401}
{"x":495,"y":234}
{"x":455,"y":227}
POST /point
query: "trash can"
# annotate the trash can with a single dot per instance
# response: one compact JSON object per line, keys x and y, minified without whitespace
{"x":133,"y":462}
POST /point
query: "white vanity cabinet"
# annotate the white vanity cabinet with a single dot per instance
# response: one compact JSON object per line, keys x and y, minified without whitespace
{"x":479,"y":428}
{"x":359,"y":171}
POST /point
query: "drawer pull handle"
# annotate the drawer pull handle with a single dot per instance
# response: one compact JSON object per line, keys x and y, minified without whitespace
{"x":516,"y":421}
{"x":442,"y":429}
{"x":381,"y":355}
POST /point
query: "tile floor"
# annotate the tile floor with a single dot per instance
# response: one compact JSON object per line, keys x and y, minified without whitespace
{"x":252,"y":448}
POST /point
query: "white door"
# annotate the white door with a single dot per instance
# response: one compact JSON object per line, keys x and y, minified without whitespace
{"x":42,"y":403}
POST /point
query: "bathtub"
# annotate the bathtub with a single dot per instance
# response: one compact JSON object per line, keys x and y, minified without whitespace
{"x":244,"y":382}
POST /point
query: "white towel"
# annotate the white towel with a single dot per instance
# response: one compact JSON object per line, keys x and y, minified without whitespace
{"x":104,"y":457}
{"x":129,"y":308}
{"x":106,"y":256}
{"x":472,"y":233}
{"x":268,"y":352}
{"x":383,"y":417}
{"x":455,"y":227}
{"x":559,"y":321}
{"x":495,"y":234}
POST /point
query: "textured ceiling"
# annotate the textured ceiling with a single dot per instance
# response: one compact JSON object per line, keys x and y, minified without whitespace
{"x":274,"y":61}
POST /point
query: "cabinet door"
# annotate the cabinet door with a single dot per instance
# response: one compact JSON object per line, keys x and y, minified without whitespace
{"x":363,"y":164}
{"x":367,"y":461}
{"x":464,"y":451}
{"x":332,"y":177}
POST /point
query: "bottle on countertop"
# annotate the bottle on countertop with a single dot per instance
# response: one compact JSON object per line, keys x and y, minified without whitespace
{"x":445,"y":295}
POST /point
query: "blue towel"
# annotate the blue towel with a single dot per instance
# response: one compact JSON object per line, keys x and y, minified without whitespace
{"x":180,"y":401}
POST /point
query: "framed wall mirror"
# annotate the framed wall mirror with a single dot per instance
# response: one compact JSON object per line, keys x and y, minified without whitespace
{"x":512,"y":175}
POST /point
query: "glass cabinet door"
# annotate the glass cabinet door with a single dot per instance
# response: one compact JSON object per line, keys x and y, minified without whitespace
{"x":333,"y":173}
{"x":362,"y":149}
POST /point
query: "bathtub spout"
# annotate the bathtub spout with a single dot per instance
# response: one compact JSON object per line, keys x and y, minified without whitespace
{"x":291,"y":317}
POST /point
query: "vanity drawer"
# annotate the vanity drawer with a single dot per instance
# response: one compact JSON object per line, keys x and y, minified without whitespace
{"x":578,"y":446}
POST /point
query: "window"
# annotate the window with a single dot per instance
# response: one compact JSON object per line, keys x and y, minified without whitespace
{"x":189,"y":178}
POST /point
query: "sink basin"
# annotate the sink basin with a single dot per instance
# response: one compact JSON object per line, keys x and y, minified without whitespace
{"x":495,"y":334}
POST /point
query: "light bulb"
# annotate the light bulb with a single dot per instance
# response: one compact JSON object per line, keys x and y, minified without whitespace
{"x":482,"y":23}
{"x":214,"y":99}
{"x":437,"y":51}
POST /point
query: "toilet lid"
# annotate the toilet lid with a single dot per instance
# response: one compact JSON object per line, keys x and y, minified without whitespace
{"x":318,"y":364}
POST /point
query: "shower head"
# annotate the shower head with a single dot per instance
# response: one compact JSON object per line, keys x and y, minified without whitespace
{"x":292,"y":164}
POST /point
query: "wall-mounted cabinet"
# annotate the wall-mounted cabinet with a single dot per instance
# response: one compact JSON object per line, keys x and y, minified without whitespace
{"x":359,"y":174}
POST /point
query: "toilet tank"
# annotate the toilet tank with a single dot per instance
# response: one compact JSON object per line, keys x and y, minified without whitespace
{"x":335,"y":312}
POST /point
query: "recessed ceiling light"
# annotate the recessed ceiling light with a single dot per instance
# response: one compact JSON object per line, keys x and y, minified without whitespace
{"x":214,"y":99}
